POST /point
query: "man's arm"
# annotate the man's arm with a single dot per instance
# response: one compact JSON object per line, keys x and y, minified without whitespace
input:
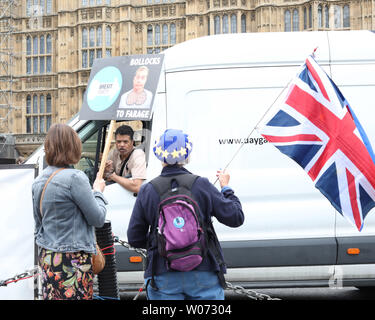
{"x":132,"y":185}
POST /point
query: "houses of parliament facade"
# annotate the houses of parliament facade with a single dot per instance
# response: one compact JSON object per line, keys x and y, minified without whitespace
{"x":48,"y":46}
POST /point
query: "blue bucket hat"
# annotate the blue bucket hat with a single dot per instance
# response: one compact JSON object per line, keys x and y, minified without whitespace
{"x":173,"y":146}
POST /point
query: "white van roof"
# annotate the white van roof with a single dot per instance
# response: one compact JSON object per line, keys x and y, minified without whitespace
{"x":271,"y":48}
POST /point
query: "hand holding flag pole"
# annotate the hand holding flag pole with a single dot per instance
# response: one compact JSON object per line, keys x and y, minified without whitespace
{"x":255,"y":127}
{"x":260,"y":120}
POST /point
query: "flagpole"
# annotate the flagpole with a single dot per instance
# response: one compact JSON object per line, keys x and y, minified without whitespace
{"x":251,"y":132}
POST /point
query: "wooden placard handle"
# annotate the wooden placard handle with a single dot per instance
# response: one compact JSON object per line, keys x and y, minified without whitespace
{"x":106,"y":148}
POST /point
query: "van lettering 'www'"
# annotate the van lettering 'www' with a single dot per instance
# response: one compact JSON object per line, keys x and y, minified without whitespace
{"x":256,"y":141}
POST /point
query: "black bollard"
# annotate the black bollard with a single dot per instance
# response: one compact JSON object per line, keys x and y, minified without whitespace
{"x":107,"y":278}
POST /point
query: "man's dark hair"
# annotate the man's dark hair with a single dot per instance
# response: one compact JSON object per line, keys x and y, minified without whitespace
{"x":125,"y":130}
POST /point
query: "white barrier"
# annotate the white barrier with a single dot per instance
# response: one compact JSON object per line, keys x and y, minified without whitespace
{"x":16,"y":230}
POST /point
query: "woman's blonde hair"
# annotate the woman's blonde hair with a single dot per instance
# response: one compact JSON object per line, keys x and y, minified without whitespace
{"x":62,"y":146}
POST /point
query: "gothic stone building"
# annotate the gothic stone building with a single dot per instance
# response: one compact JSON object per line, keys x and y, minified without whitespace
{"x":54,"y":43}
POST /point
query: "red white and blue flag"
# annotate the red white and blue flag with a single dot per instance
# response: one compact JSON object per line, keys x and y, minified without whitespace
{"x":314,"y":125}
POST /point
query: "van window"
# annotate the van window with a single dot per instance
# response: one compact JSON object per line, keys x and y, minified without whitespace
{"x":89,"y":137}
{"x":93,"y":131}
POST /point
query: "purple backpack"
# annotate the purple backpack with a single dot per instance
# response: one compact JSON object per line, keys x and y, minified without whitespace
{"x":180,"y":232}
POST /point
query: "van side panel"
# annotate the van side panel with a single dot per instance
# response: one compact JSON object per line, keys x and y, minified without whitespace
{"x":359,"y":90}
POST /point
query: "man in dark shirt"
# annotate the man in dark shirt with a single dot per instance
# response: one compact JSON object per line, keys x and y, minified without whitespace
{"x":173,"y":150}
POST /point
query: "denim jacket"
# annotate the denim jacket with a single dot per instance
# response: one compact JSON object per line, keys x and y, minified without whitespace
{"x":71,"y":210}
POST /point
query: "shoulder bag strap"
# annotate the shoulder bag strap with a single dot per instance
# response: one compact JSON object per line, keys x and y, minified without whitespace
{"x":125,"y":163}
{"x":44,"y":189}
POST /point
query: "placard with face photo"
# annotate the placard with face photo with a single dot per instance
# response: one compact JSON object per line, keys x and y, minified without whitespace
{"x":122,"y":88}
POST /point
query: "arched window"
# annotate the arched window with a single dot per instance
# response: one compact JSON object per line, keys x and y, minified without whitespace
{"x":35,"y":45}
{"x":225,"y":24}
{"x":84,"y":38}
{"x":49,"y":44}
{"x":48,"y":118}
{"x":42,"y":67}
{"x":28,"y":8}
{"x":91,"y":57}
{"x":243,"y":23}
{"x":337,"y":14}
{"x":304,"y":18}
{"x":28,"y":65}
{"x":165,"y":34}
{"x":173,"y":33}
{"x":41,"y":7}
{"x":49,"y":7}
{"x":92,"y":37}
{"x":287,"y":26}
{"x":28,"y":104}
{"x":41,"y":45}
{"x":157,"y":35}
{"x":217,"y":24}
{"x":346,"y":13}
{"x":295,"y":20}
{"x":35,"y":103}
{"x":326,"y":16}
{"x":310,"y":17}
{"x":49,"y":64}
{"x":41,"y":104}
{"x":149,"y":35}
{"x":35,"y":65}
{"x":49,"y":104}
{"x":233,"y":23}
{"x":38,"y":120}
{"x":28,"y":45}
{"x":41,"y":125}
{"x":108,"y":36}
{"x":99,"y":37}
{"x":320,"y":18}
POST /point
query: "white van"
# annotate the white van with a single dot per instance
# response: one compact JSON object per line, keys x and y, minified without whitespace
{"x":216,"y":89}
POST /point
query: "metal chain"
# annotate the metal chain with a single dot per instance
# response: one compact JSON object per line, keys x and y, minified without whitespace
{"x":25,"y":275}
{"x":237,"y":289}
{"x":142,"y":252}
{"x":249,"y":293}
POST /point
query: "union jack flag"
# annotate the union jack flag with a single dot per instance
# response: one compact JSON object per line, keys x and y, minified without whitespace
{"x":314,"y":125}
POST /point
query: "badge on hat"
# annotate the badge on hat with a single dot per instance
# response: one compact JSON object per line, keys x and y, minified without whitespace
{"x":173,"y":146}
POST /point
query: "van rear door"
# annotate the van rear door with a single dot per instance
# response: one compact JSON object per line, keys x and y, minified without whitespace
{"x":359,"y":90}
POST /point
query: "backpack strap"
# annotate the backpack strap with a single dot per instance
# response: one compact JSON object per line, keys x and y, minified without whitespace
{"x":164,"y":184}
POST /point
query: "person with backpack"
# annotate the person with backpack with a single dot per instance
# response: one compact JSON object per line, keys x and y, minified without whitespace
{"x":172,"y":218}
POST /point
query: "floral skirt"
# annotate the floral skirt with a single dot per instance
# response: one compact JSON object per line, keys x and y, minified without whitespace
{"x":66,"y":275}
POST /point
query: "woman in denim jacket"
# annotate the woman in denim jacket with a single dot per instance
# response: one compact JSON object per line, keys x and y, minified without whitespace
{"x":64,"y":230}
